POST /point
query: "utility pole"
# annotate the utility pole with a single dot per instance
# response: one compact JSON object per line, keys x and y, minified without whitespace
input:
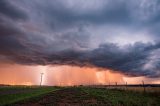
{"x":41,"y":79}
{"x":109,"y":84}
{"x":126,"y":85}
{"x":144,"y":89}
{"x":116,"y":84}
{"x":105,"y":78}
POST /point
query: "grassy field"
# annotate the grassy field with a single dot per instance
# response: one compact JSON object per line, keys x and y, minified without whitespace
{"x":12,"y":94}
{"x":117,"y":97}
{"x":76,"y":96}
{"x":96,"y":96}
{"x":148,"y":89}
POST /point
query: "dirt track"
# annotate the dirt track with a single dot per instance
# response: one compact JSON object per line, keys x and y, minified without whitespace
{"x":64,"y":97}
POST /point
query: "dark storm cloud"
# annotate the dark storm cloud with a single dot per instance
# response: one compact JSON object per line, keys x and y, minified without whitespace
{"x":11,"y":11}
{"x":120,"y":14}
{"x":130,"y":60}
{"x":62,"y":15}
{"x":61,"y":32}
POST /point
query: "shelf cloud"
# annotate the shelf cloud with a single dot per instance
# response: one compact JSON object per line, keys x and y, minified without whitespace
{"x":122,"y":35}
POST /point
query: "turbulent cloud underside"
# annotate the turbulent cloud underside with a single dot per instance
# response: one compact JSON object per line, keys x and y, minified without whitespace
{"x":121,"y":35}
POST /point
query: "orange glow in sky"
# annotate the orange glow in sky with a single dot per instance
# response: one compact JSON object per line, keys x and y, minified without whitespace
{"x":14,"y":74}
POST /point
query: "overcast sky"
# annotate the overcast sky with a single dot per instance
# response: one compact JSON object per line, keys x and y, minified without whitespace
{"x":121,"y":35}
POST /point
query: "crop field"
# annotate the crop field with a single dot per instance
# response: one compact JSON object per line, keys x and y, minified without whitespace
{"x":77,"y":96}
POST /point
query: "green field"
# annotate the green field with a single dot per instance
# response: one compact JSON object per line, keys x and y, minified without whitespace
{"x":117,"y":97}
{"x":12,"y":94}
{"x":81,"y":96}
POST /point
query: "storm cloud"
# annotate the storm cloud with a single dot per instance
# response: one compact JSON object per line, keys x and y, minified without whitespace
{"x":122,"y":35}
